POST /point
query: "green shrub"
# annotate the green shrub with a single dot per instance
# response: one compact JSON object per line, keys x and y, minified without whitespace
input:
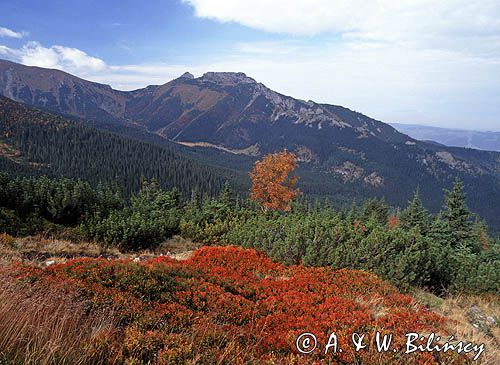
{"x":152,"y":217}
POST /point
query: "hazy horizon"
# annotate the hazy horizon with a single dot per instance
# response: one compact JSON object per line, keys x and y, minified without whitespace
{"x":471,"y":129}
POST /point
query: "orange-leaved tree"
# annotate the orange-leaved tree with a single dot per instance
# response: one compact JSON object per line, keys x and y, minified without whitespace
{"x":273,"y":182}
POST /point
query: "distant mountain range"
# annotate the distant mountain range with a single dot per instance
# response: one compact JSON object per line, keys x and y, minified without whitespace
{"x":229,"y":120}
{"x":481,"y":140}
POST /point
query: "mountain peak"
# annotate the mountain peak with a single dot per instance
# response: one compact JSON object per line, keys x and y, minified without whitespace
{"x":228,"y":78}
{"x":187,"y":75}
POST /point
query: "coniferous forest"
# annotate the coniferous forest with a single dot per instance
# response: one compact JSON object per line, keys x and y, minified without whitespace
{"x":37,"y":143}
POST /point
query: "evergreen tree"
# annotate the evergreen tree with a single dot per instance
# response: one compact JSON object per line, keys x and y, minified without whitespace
{"x":480,"y":239}
{"x":415,"y":215}
{"x":353,"y":212}
{"x":442,"y":270}
{"x":226,"y":194}
{"x":377,"y":210}
{"x":457,"y":215}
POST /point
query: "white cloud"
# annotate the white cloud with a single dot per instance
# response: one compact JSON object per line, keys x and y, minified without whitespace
{"x":68,"y":59}
{"x":284,"y":16}
{"x":75,"y":58}
{"x":81,"y":64}
{"x":6,"y":32}
{"x":270,"y":47}
{"x":415,"y":23}
{"x":398,"y":60}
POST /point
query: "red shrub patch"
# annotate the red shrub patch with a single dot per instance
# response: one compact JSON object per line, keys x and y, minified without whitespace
{"x":232,"y":305}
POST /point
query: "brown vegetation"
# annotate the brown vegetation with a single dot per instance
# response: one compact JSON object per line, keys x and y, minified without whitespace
{"x":42,"y":325}
{"x":471,"y":318}
{"x":477,"y":319}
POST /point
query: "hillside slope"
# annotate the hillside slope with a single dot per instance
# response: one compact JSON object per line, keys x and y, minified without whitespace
{"x":33,"y":142}
{"x":222,"y":305}
{"x":228,"y":120}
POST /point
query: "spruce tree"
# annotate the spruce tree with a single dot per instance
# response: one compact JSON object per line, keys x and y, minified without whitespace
{"x":353,"y":213}
{"x":226,"y":194}
{"x":415,"y":215}
{"x":479,"y":234}
{"x":442,"y":265}
{"x":457,"y":215}
{"x":377,"y":210}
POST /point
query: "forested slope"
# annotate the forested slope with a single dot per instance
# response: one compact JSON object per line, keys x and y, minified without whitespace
{"x":34,"y":143}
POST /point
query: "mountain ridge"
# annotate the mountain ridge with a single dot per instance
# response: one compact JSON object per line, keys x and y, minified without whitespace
{"x":229,"y":119}
{"x":59,"y":91}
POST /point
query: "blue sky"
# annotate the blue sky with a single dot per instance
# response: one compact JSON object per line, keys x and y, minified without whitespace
{"x":408,"y":61}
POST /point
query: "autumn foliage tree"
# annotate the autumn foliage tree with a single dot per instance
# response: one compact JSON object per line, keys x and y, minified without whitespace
{"x":273,"y":182}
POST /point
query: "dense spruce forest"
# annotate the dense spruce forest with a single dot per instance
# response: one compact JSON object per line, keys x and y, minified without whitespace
{"x":36,"y":143}
{"x":412,"y":248}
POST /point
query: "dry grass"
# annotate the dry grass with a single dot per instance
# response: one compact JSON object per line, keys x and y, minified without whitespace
{"x":43,"y":249}
{"x":42,"y":326}
{"x":177,"y":245}
{"x":472,"y":318}
{"x":39,"y":249}
{"x":469,"y":316}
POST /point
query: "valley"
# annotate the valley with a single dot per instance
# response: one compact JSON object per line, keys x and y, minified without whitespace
{"x":141,"y":214}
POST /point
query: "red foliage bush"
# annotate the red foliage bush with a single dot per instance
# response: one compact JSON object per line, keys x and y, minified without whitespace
{"x":234,"y":305}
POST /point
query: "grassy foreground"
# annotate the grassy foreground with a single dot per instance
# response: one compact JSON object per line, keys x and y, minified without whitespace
{"x":222,"y":305}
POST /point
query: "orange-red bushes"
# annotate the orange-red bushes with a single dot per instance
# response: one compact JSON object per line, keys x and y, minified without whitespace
{"x":235,"y":305}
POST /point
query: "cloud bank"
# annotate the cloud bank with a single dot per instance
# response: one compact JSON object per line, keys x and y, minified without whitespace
{"x":69,"y":59}
{"x":404,"y":21}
